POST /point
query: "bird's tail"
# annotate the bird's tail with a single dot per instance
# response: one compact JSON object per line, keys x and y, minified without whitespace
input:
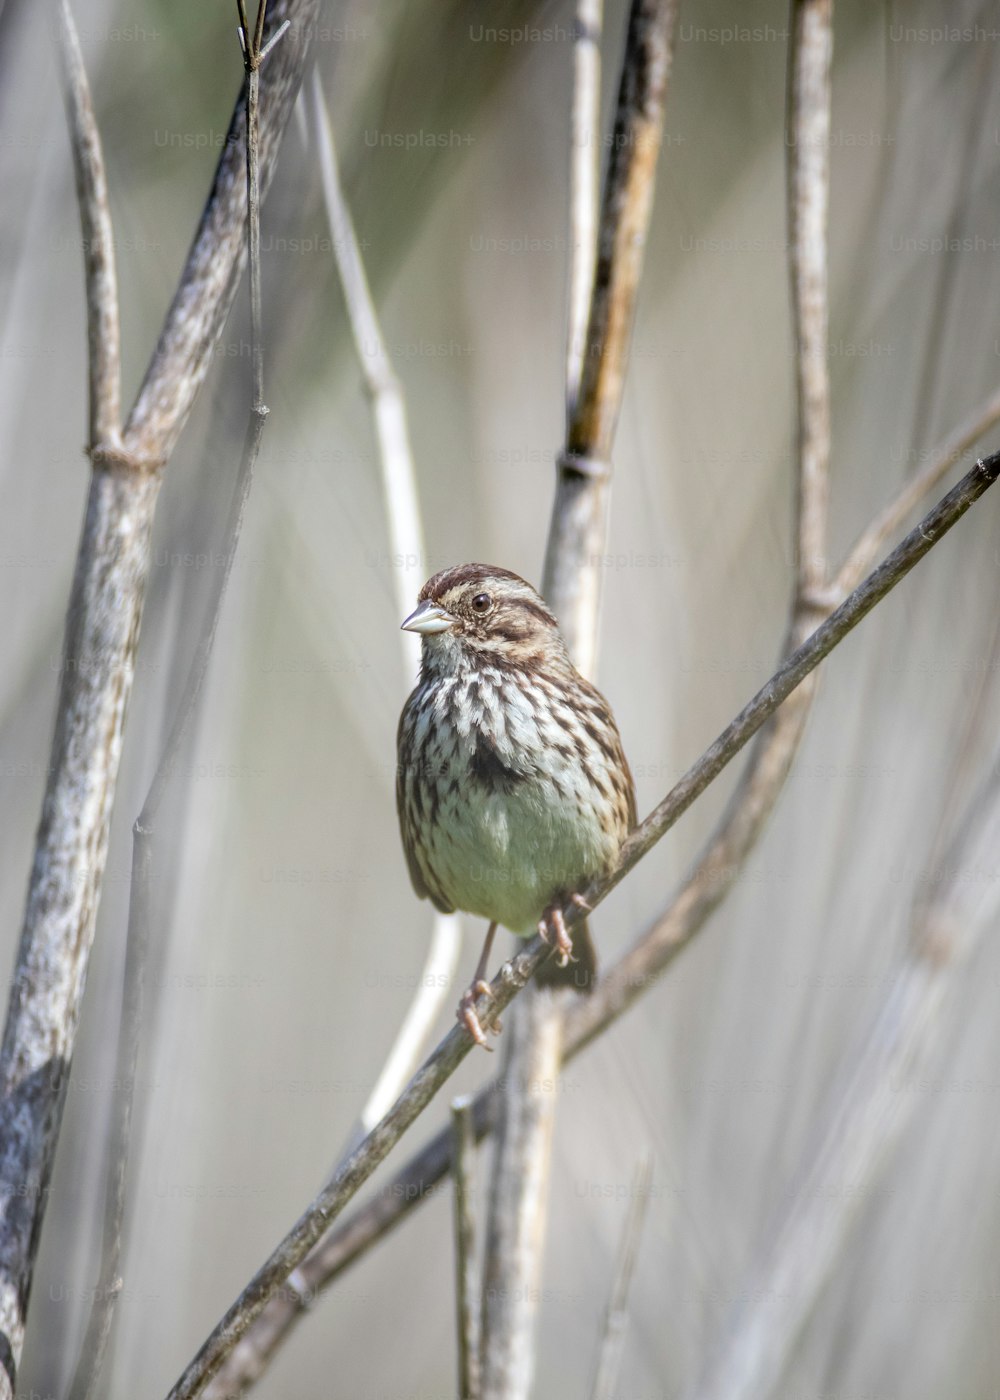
{"x":581,"y":973}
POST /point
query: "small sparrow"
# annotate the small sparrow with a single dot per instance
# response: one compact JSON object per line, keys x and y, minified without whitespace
{"x":513,"y":790}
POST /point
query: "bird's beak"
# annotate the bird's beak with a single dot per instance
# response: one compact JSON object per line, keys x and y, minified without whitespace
{"x":428,"y":619}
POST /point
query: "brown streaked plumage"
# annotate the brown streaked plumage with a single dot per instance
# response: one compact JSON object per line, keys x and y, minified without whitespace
{"x":513,"y":789}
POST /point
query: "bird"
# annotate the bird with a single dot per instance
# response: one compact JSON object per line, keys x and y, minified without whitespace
{"x":512,"y":787}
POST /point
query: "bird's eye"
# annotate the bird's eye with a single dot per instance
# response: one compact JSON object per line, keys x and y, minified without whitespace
{"x":482,"y":602}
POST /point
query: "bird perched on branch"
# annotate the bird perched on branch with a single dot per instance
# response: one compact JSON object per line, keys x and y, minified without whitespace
{"x":512,"y":788}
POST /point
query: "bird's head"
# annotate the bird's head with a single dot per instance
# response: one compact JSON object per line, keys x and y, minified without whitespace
{"x":480,"y":613}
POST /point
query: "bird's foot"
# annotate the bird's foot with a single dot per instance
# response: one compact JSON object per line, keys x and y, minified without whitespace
{"x":552,"y":927}
{"x":467,"y":1015}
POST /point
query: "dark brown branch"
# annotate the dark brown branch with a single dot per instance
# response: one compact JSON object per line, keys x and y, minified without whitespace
{"x":571,"y":578}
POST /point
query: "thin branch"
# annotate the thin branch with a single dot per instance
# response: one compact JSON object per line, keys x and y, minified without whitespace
{"x":104,"y":617}
{"x":637,"y":972}
{"x":105,"y":1297}
{"x":796,"y":667}
{"x":103,"y":329}
{"x":866,"y":1121}
{"x":585,"y":174}
{"x":463,"y":1144}
{"x":351,"y":1175}
{"x":338,"y":1249}
{"x":616,"y":1316}
{"x":885,"y":525}
{"x":399,"y":490}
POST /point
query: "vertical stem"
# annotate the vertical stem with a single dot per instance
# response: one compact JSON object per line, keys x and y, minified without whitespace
{"x":519,"y":1198}
{"x":808,"y":200}
{"x":571,"y":584}
{"x":584,"y":186}
{"x":467,"y":1301}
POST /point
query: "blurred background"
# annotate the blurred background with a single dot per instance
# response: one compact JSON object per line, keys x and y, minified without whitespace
{"x":288,"y":941}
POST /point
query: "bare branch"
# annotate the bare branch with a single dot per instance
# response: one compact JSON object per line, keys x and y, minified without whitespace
{"x":616,"y":1317}
{"x":105,"y":1296}
{"x":635,"y":973}
{"x":102,"y":633}
{"x":797,"y":666}
{"x":467,"y":1292}
{"x":351,"y":1175}
{"x":103,"y":330}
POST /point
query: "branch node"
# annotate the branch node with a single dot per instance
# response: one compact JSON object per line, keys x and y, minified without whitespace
{"x":111,"y":455}
{"x":575,"y":464}
{"x":273,"y":40}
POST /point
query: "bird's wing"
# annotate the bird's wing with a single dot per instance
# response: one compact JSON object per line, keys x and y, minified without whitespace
{"x":417,"y":877}
{"x":617,"y":762}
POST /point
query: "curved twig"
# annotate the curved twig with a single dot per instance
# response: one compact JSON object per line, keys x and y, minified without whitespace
{"x":103,"y":328}
{"x":399,"y":489}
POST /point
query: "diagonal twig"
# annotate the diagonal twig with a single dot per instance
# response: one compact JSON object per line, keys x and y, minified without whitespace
{"x":637,"y":971}
{"x":513,"y":976}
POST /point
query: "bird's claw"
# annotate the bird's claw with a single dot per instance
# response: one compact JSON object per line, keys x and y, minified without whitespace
{"x":468,"y":1016}
{"x":552,"y":927}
